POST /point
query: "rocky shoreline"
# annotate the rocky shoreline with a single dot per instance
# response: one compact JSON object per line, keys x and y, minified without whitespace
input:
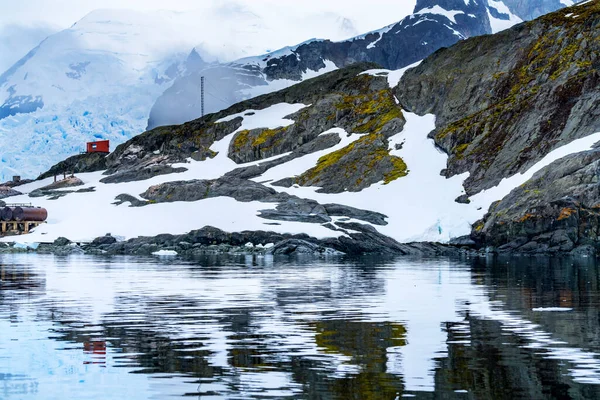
{"x":212,"y":241}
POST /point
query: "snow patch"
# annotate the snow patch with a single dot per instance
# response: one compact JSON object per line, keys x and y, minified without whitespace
{"x":497,"y":24}
{"x":450,"y":14}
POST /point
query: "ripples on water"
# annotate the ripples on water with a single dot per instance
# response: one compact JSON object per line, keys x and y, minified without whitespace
{"x":254,"y":327}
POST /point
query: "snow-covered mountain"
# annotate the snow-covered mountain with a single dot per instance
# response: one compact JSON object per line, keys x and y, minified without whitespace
{"x":434,"y":24}
{"x":100,"y":78}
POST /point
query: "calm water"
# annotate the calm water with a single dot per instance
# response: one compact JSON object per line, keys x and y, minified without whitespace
{"x":244,"y":328}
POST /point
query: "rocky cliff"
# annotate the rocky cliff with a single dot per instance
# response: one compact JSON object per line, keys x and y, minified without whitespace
{"x":504,"y":103}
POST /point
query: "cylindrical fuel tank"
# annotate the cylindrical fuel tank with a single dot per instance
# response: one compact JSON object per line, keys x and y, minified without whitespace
{"x":37,"y":214}
{"x":6,"y":214}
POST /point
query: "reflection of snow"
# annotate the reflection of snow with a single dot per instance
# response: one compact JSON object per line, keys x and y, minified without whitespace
{"x":190,"y":305}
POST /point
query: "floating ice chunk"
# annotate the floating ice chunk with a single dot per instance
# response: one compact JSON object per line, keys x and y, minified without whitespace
{"x":165,"y":253}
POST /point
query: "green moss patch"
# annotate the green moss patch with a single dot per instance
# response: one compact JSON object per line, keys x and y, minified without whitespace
{"x":358,"y":165}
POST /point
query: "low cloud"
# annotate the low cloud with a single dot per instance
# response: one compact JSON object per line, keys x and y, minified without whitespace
{"x":16,"y":41}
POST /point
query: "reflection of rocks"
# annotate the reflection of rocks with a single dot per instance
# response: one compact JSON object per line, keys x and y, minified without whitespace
{"x":367,"y":344}
{"x":337,"y":210}
{"x":18,"y":281}
{"x":525,"y":373}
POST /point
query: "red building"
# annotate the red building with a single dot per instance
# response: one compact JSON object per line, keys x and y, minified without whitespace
{"x":101,"y":146}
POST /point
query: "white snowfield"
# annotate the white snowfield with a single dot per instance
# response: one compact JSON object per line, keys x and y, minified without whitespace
{"x":419,"y":207}
{"x":437,"y":10}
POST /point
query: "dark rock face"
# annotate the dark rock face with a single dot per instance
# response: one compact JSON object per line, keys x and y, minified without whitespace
{"x":141,"y":174}
{"x":71,"y":181}
{"x":337,"y":210}
{"x":558,"y":210}
{"x":289,"y":208}
{"x":239,"y":189}
{"x":152,"y":153}
{"x":298,"y":210}
{"x":6,"y":191}
{"x":62,"y":241}
{"x":88,"y":162}
{"x":505,"y":101}
{"x":132,"y":200}
{"x":54,"y":194}
{"x":298,"y":246}
{"x":360,"y":104}
{"x":14,"y":184}
{"x":209,"y":240}
{"x":53,"y":190}
{"x":104,"y":240}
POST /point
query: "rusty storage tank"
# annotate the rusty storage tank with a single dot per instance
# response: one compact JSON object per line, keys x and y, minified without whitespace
{"x":36,"y":214}
{"x":6,"y":214}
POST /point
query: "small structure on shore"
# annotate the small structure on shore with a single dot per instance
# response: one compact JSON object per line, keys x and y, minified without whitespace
{"x":101,"y":146}
{"x":20,"y":218}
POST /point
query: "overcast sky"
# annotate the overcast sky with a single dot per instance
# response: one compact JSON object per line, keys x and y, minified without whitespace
{"x":23,"y":23}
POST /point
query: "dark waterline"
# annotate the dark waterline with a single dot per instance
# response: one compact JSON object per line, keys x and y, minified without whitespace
{"x":241,"y":327}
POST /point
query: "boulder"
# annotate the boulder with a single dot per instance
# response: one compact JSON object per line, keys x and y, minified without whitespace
{"x":104,"y":240}
{"x":295,"y":247}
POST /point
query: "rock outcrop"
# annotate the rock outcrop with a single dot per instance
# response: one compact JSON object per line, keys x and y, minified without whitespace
{"x":6,"y":191}
{"x":87,"y":162}
{"x":346,"y":99}
{"x":557,"y":211}
{"x":288,"y":208}
{"x":503,"y":102}
{"x":209,"y":240}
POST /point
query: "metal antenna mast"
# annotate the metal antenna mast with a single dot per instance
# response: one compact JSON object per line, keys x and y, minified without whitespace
{"x":202,"y":94}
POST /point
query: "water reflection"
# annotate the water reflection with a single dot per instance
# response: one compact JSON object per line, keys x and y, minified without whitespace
{"x":255,"y":327}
